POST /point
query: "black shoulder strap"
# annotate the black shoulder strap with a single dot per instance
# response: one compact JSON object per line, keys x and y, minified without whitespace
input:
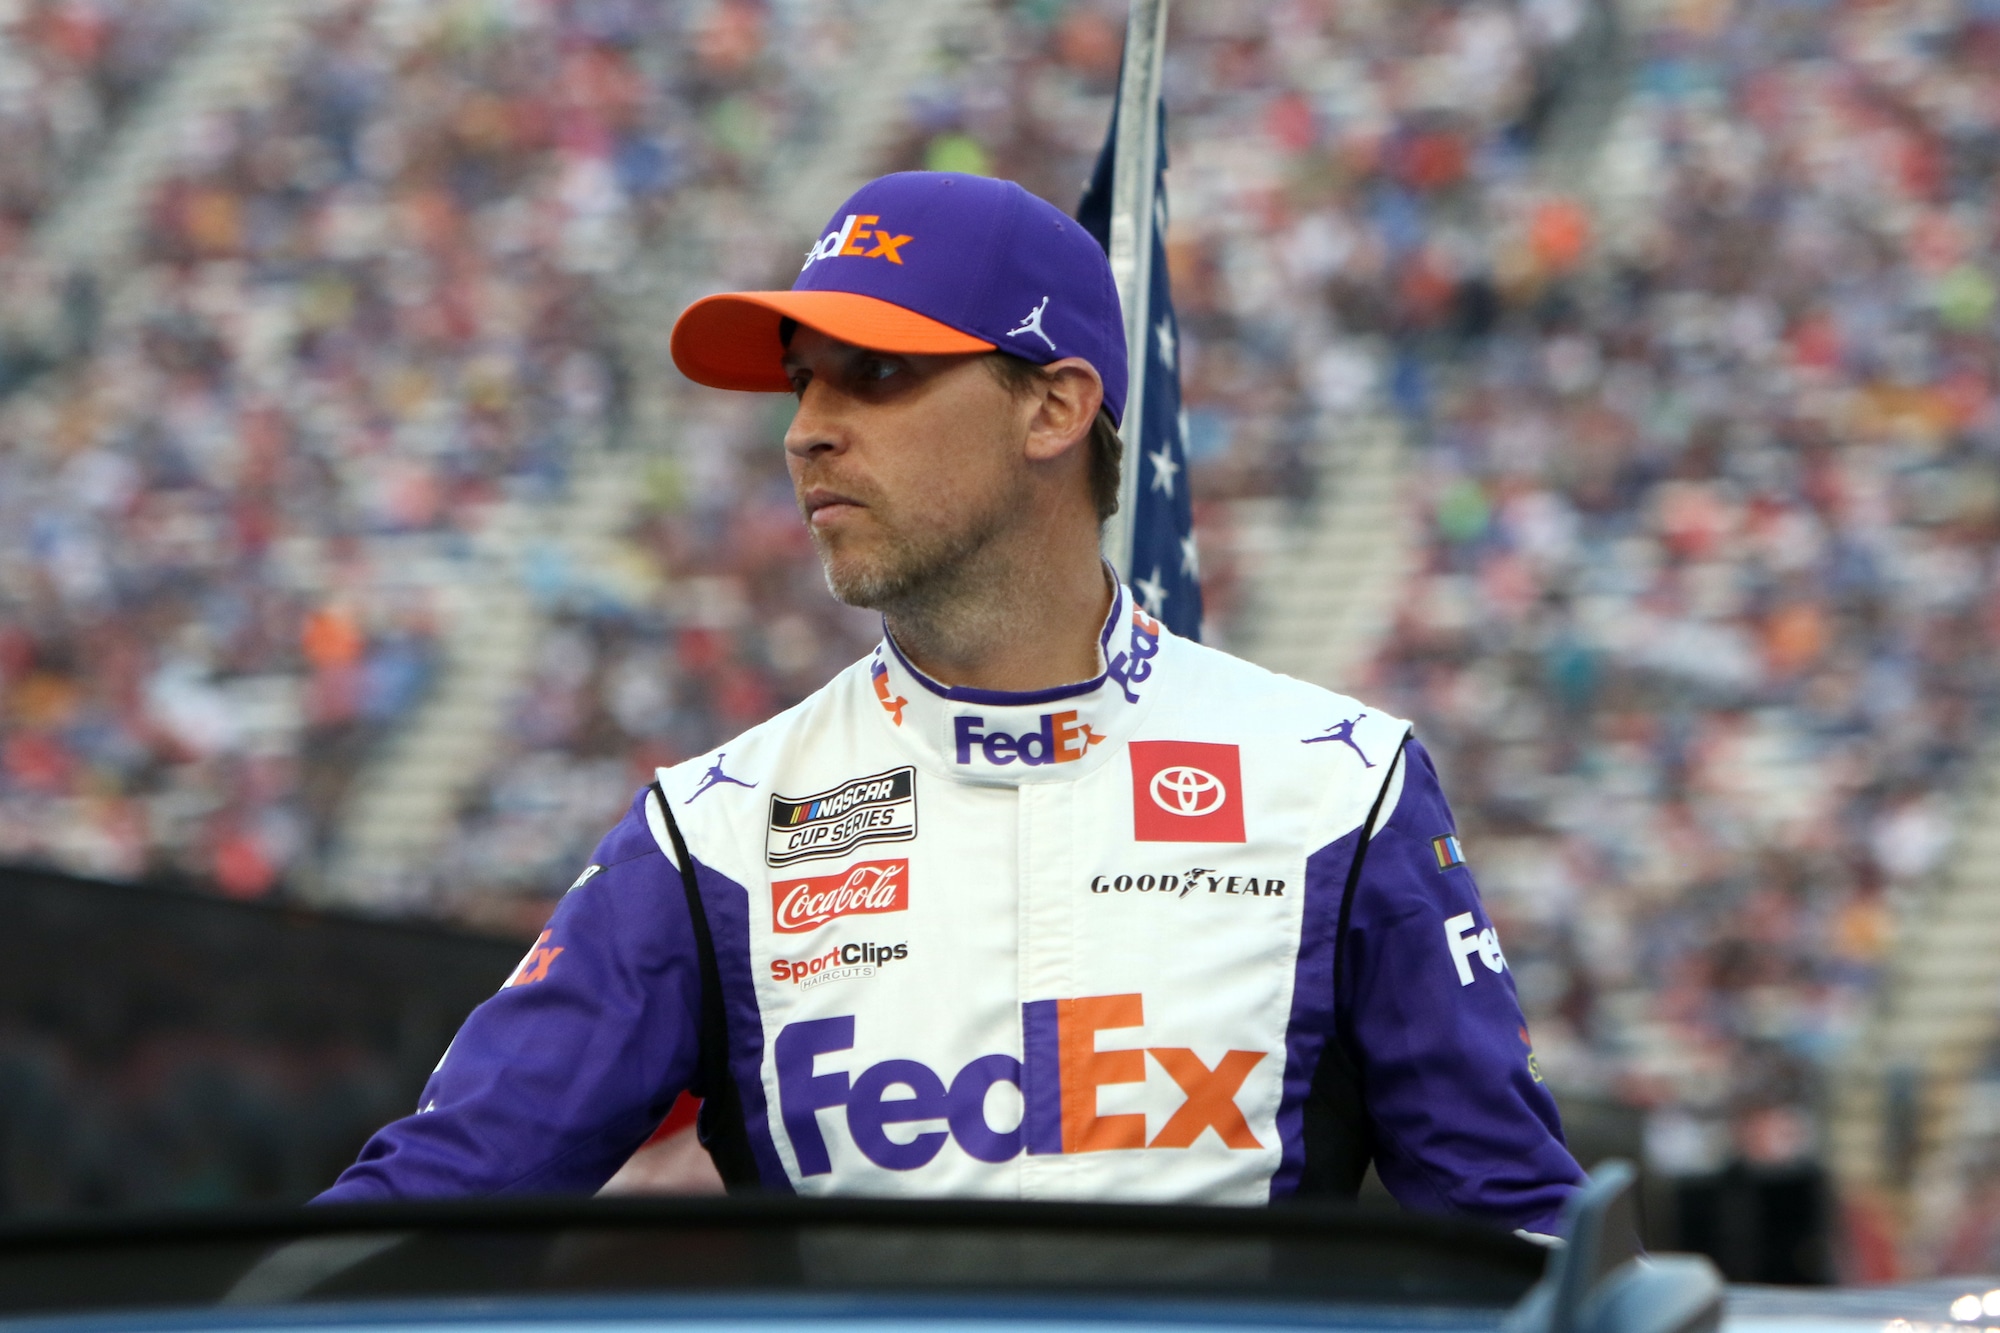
{"x":1339,"y":1136}
{"x":1354,"y":866}
{"x":721,"y":1125}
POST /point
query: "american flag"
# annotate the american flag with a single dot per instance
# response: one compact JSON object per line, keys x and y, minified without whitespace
{"x":1162,"y":566}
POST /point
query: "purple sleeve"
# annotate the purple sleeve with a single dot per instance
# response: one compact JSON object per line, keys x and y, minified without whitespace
{"x":1463,"y":1122}
{"x":554,"y":1082}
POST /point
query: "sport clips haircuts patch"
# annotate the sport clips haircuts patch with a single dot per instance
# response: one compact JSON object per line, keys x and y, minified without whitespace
{"x":879,"y":808}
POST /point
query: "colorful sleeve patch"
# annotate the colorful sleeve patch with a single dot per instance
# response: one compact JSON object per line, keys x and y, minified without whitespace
{"x":1449,"y":854}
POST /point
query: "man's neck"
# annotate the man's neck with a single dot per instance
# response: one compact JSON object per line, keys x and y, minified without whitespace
{"x":1017,"y":630}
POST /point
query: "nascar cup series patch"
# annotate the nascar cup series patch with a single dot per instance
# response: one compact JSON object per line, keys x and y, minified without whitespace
{"x":881,"y":807}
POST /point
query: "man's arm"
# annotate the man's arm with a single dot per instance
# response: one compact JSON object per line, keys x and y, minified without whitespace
{"x":552,"y":1083}
{"x":1463,"y":1122}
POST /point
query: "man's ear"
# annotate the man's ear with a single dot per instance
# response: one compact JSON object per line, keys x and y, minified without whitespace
{"x":1070,"y":394}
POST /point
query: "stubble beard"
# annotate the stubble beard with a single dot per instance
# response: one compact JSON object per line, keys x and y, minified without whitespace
{"x":923,"y":582}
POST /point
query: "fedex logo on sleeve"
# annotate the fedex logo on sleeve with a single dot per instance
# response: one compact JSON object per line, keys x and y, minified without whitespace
{"x":1058,"y":1077}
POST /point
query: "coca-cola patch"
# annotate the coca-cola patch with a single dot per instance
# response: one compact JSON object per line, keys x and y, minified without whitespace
{"x":809,"y":902}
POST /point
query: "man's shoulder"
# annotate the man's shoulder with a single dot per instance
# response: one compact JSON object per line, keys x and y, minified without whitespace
{"x":745,"y":761}
{"x":1261,"y":703}
{"x":628,"y":840}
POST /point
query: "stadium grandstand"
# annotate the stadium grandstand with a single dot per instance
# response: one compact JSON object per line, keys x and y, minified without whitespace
{"x":1608,"y":387}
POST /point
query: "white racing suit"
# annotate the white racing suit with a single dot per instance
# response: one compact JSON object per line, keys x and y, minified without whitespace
{"x":1106,"y":941}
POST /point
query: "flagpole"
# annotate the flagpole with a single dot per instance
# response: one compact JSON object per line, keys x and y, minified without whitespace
{"x":1134,"y":171}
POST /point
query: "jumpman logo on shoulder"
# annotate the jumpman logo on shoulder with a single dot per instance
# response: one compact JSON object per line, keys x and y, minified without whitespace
{"x":1033,"y":324}
{"x":715,"y":777}
{"x":1344,"y":733}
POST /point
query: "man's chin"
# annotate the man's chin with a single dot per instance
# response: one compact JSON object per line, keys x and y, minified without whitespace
{"x":865,"y":588}
{"x":859,"y":583}
{"x":895,"y":575}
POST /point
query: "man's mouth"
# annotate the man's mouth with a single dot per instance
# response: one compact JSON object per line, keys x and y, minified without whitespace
{"x":824,"y":507}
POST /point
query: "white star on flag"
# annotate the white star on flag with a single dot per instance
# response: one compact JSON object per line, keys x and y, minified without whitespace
{"x":1190,"y":560}
{"x":1153,"y":591}
{"x":1164,"y":468}
{"x":1165,"y":330}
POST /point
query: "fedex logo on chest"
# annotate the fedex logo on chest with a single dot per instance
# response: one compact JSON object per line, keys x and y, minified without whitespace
{"x":1059,"y":738}
{"x":1070,"y":1051}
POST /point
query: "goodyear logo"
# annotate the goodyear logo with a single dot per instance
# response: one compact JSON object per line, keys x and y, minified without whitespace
{"x":858,"y":238}
{"x":881,"y":807}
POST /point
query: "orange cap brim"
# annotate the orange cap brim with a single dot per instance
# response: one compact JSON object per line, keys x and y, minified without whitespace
{"x":730,"y":341}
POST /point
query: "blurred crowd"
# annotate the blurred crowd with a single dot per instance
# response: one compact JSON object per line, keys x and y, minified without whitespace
{"x":725,"y":622}
{"x":1703,"y":637}
{"x":370,"y":309}
{"x":1326,"y":162}
{"x":71,"y":73}
{"x":71,"y":70}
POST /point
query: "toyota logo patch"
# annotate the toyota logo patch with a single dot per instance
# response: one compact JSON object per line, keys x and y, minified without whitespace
{"x":1187,"y":791}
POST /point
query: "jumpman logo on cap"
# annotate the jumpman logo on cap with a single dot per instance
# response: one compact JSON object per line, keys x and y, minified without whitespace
{"x":715,"y":777}
{"x":1033,"y":324}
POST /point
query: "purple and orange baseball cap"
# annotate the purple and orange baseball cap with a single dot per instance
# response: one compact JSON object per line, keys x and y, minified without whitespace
{"x":926,"y":262}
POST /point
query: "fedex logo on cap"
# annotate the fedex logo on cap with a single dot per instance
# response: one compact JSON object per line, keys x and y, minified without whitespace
{"x":847,"y":241}
{"x":1057,"y":1078}
{"x":982,"y":258}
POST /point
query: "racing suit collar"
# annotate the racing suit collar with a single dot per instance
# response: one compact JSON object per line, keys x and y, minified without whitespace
{"x":1008,"y":738}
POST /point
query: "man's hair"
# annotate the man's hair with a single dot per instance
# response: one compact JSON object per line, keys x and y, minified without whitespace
{"x":1022,"y":376}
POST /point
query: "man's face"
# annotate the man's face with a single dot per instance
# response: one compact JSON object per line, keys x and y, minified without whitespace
{"x":906,"y":467}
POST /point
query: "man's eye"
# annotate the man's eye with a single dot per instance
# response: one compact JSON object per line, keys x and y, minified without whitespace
{"x":799,"y":382}
{"x":874,"y":370}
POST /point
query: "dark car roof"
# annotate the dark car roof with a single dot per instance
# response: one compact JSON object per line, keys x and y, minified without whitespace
{"x":742,"y":1262}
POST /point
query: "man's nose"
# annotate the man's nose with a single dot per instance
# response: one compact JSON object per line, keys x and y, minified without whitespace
{"x":816,"y":428}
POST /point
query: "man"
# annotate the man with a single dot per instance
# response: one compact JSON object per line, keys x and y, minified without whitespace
{"x":1038,"y":900}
